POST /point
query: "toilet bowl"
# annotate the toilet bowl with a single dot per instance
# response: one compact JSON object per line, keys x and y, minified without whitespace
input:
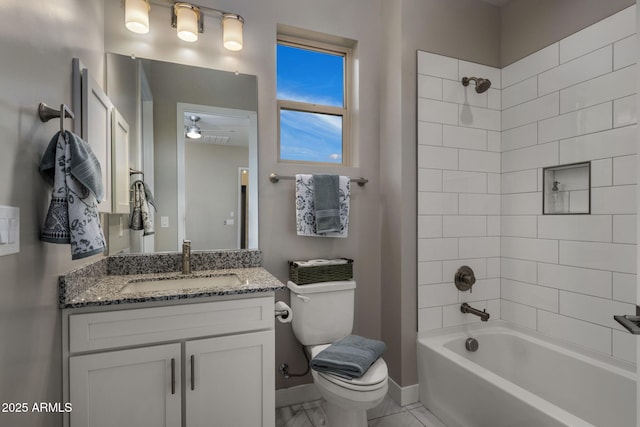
{"x":345,"y":402}
{"x":322,"y":314}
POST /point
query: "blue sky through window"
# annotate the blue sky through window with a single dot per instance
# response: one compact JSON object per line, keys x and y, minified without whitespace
{"x":315,"y":78}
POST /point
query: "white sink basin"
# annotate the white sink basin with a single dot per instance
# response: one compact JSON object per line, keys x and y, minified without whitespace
{"x":181,"y":283}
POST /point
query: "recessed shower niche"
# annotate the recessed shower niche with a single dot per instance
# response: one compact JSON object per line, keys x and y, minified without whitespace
{"x":567,"y":189}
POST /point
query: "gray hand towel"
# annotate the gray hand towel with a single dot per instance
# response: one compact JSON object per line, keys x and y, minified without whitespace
{"x":349,"y":357}
{"x":73,"y":213}
{"x":83,"y":164}
{"x":140,"y":213}
{"x":326,"y":199}
{"x":305,"y":208}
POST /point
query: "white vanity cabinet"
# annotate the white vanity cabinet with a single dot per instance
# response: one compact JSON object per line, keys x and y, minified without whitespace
{"x":199,"y":364}
{"x":137,"y":387}
{"x":225,"y":385}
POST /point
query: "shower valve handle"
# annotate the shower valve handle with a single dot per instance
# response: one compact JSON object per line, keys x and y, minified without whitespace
{"x":464,"y":278}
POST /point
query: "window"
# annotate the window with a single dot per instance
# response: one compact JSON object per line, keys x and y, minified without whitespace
{"x":312,"y":102}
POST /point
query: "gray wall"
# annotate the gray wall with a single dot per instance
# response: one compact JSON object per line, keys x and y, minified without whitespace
{"x":530,"y":25}
{"x":38,"y":40}
{"x":211,"y":193}
{"x":394,"y":288}
{"x":357,"y":20}
{"x":466,"y":29}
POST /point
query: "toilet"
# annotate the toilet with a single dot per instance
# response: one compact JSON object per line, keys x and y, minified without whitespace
{"x":322,"y":314}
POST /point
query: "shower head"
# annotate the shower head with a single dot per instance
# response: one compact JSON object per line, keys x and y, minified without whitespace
{"x":482,"y":85}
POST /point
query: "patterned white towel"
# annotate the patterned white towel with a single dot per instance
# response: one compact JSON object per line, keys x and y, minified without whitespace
{"x":305,"y":210}
{"x":73,"y":214}
{"x":141,"y":218}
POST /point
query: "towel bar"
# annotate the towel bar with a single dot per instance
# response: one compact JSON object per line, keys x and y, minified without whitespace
{"x":274,"y":177}
{"x":47,"y":113}
{"x":136,"y":172}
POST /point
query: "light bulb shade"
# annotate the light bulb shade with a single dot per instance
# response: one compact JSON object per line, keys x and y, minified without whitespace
{"x":193,"y":132}
{"x":232,"y":31}
{"x":187,"y":17}
{"x":136,"y":16}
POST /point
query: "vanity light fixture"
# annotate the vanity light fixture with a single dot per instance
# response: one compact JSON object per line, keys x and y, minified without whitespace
{"x":187,"y":19}
{"x":232,"y":31}
{"x":136,"y":16}
{"x":193,"y":131}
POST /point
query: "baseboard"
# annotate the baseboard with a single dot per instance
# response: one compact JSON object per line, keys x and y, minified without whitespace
{"x":295,"y":395}
{"x":307,"y":392}
{"x":403,"y":396}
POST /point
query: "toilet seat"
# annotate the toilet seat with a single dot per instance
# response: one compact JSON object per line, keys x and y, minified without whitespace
{"x":373,"y":379}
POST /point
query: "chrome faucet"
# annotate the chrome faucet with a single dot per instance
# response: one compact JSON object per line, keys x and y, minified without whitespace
{"x":483,"y":315}
{"x":186,"y":257}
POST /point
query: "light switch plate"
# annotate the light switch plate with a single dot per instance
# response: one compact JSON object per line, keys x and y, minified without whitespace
{"x":10,"y":229}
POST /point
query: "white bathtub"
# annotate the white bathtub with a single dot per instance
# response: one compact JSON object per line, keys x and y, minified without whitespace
{"x":518,"y":378}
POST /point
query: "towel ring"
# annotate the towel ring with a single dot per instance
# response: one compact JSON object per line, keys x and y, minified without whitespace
{"x":136,"y":172}
{"x":47,"y":113}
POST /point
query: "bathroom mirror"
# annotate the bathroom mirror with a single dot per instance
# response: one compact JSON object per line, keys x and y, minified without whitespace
{"x":204,"y":189}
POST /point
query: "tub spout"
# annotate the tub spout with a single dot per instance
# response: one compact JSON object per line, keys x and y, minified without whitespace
{"x":483,"y":315}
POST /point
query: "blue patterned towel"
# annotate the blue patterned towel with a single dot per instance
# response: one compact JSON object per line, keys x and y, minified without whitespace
{"x":349,"y":357}
{"x":70,"y":166}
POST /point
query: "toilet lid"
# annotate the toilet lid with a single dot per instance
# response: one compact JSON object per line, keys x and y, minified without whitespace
{"x":376,"y":374}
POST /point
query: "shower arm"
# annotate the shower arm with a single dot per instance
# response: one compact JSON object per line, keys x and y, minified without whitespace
{"x":482,"y":84}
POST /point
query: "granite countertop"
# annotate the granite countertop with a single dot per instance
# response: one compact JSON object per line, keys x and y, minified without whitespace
{"x":102,"y":283}
{"x":108,"y":291}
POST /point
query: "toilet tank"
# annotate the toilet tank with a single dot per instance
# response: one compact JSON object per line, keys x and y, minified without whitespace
{"x":322,"y":312}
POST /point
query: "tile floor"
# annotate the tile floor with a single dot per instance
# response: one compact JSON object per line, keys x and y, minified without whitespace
{"x":387,"y":414}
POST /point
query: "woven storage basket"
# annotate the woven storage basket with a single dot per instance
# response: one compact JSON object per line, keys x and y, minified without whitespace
{"x":320,"y":273}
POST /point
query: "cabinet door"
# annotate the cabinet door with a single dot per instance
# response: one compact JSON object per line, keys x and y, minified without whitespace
{"x":230,"y":381}
{"x":120,"y":169}
{"x":96,"y":131}
{"x":139,"y":387}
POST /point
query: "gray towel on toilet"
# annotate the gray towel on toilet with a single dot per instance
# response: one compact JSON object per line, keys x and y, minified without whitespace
{"x":326,"y":199}
{"x":349,"y":357}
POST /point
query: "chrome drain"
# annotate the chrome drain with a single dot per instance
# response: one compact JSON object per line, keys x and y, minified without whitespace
{"x":471,"y":344}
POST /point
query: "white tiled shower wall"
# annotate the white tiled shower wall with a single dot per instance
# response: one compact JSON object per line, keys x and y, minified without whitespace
{"x":458,"y":189}
{"x":480,"y":160}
